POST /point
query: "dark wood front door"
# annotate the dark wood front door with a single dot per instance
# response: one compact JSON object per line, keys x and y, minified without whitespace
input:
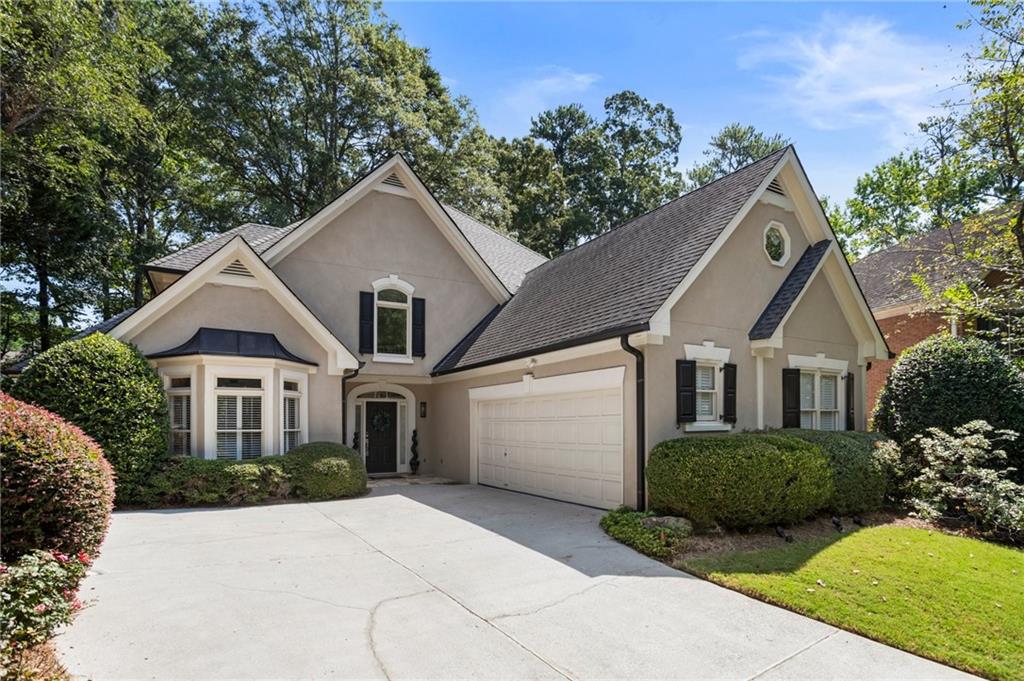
{"x":382,"y":440}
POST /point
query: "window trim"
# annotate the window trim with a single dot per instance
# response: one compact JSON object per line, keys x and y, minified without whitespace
{"x":392,"y":282}
{"x":189,"y":372}
{"x":211,"y":372}
{"x":819,"y":366}
{"x":786,"y":243}
{"x":303,"y":395}
{"x":708,"y":355}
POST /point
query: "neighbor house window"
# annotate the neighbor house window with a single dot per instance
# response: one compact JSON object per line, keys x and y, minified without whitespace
{"x":291,"y":428}
{"x":239,"y":418}
{"x":179,"y":400}
{"x":392,"y":322}
{"x":819,"y":400}
{"x":707,"y":392}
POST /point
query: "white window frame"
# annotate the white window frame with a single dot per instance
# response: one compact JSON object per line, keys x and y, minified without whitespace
{"x":182,"y":372}
{"x":212,"y":392}
{"x":303,"y":396}
{"x":392,"y":282}
{"x":819,"y":366}
{"x":707,"y":355}
{"x":787,"y":247}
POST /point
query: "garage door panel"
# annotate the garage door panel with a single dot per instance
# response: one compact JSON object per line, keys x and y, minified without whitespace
{"x":566,"y":446}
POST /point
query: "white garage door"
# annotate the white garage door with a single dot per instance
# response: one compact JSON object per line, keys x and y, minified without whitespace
{"x":565,"y":446}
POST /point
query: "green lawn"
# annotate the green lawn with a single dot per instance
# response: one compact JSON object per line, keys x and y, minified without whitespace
{"x":956,"y":600}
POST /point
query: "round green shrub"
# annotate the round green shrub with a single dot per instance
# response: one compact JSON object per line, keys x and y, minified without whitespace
{"x":946,"y":381}
{"x":325,"y":470}
{"x":738,"y":481}
{"x":859,"y":476}
{"x":212,"y":482}
{"x":58,"y":489}
{"x":107,"y":389}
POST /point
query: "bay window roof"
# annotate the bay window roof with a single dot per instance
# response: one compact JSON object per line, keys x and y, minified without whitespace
{"x":207,"y":341}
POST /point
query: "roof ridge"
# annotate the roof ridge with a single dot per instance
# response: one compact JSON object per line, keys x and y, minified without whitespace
{"x":448,"y":206}
{"x":186,"y":249}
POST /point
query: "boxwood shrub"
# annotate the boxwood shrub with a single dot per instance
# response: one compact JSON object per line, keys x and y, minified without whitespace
{"x":109,"y":390}
{"x":315,"y":471}
{"x":739,"y":481}
{"x":57,"y":488}
{"x":944,"y":382}
{"x":859,"y":475}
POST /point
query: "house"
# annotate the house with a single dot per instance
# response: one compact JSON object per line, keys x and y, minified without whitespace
{"x":887,"y":278}
{"x":425,"y":339}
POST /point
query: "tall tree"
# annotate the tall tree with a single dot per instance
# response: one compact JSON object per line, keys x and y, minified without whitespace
{"x":733,"y":147}
{"x":69,"y":71}
{"x":886,"y":206}
{"x":537,"y":194}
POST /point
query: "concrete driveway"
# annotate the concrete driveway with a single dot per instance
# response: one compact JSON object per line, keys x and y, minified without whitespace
{"x":429,"y":581}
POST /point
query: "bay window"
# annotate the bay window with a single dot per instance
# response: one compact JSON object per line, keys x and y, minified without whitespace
{"x":179,"y":402}
{"x":239,"y":418}
{"x":291,"y":424}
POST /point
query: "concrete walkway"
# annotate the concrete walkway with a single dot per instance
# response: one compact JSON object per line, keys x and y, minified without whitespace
{"x":429,"y":581}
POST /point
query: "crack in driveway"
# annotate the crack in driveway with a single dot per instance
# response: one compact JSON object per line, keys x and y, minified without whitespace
{"x":372,"y":623}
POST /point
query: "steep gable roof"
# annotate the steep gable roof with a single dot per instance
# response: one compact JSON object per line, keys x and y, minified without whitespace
{"x":614,"y":283}
{"x":793,"y":285}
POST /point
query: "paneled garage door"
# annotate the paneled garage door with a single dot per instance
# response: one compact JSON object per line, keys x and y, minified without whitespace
{"x":564,"y":446}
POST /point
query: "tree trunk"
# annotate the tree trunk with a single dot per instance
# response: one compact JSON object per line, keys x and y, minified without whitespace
{"x":43,"y":299}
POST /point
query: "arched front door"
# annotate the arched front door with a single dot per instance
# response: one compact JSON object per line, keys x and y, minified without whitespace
{"x":383,"y":420}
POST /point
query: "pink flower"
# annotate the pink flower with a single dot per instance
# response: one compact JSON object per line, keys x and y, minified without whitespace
{"x":76,"y":604}
{"x":62,"y":557}
{"x":41,"y":608}
{"x":83,"y":557}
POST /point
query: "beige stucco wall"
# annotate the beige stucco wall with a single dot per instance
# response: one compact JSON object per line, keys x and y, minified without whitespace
{"x":721,"y":306}
{"x":248,"y":309}
{"x":385,"y":234}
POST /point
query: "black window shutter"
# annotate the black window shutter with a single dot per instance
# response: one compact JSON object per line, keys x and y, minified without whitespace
{"x":419,"y":327}
{"x":366,"y":322}
{"x":686,"y":391}
{"x":850,"y":413}
{"x":729,"y":387}
{"x":790,"y":398}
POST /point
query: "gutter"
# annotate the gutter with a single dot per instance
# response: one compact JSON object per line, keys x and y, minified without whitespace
{"x":641,"y":449}
{"x":344,"y":402}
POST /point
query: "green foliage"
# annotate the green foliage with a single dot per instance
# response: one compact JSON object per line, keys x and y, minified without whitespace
{"x":860,"y":475}
{"x":733,"y":147}
{"x":325,"y":470}
{"x":37,"y":595}
{"x":314,"y":471}
{"x":109,"y":390}
{"x":944,"y":382}
{"x":739,"y":481}
{"x":964,"y":480}
{"x":626,"y":526}
{"x":58,"y":490}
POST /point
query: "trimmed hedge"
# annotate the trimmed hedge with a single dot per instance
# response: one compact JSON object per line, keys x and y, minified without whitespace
{"x":58,"y":490}
{"x":739,"y":481}
{"x":109,"y":390}
{"x":860,"y":478}
{"x":944,"y":382}
{"x":314,"y":471}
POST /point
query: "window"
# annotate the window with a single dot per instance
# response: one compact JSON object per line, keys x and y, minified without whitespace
{"x":291,"y":428}
{"x":776,"y":243}
{"x":392,"y":322}
{"x":179,"y":400}
{"x":707,"y":393}
{"x":239,"y":418}
{"x":819,"y":401}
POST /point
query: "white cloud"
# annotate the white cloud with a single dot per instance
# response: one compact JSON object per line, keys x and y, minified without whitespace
{"x":851,"y":72}
{"x":550,"y":86}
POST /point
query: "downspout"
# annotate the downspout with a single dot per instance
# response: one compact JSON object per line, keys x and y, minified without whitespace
{"x":344,"y":402}
{"x":641,"y":449}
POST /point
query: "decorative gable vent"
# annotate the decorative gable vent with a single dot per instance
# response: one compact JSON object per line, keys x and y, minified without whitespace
{"x":393,"y":180}
{"x":774,"y":186}
{"x":237,"y":269}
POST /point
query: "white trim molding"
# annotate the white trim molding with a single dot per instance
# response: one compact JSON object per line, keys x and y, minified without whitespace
{"x":787,"y":248}
{"x":393,"y":283}
{"x":706,"y":354}
{"x":818,"y":362}
{"x":599,"y":379}
{"x":411,"y":412}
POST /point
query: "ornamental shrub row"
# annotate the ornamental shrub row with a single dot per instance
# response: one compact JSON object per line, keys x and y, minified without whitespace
{"x":860,"y":475}
{"x":314,"y":471}
{"x":738,"y":481}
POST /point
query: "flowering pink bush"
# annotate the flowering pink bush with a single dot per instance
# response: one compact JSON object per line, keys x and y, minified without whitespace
{"x":57,"y":488}
{"x":37,"y":595}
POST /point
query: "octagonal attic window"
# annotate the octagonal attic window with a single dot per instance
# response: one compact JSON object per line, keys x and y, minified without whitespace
{"x":776,"y":243}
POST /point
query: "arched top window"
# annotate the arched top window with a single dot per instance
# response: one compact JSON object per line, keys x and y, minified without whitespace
{"x":392,"y":319}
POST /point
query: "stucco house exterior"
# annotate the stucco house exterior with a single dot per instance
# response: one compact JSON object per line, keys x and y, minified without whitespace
{"x":423,"y":338}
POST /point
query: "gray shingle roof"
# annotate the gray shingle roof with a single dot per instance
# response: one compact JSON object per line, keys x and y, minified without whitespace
{"x":614,"y":283}
{"x":509,"y":259}
{"x":788,"y":292}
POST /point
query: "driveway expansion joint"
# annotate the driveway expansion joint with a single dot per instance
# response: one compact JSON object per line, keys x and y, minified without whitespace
{"x":789,"y":657}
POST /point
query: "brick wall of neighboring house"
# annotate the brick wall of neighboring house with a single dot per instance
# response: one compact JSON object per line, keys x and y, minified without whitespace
{"x":900,"y":331}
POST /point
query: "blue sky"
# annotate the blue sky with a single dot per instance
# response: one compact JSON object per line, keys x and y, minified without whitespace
{"x":847,"y":82}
